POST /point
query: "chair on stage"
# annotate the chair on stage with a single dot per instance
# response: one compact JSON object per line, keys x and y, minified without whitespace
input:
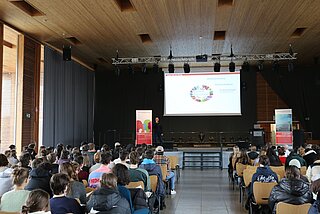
{"x":285,"y":208}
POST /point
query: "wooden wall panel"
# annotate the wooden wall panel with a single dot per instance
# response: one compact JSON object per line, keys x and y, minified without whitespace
{"x":1,"y":68}
{"x":31,"y":77}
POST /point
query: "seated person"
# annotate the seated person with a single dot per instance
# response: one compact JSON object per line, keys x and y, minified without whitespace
{"x":40,"y":179}
{"x":294,"y":155}
{"x":313,"y":170}
{"x":291,"y":190}
{"x":37,"y":202}
{"x":94,"y":177}
{"x":122,"y":173}
{"x":107,"y":199}
{"x":282,"y":155}
{"x":59,"y":204}
{"x":263,"y":174}
{"x":96,"y":158}
{"x":253,"y":154}
{"x":123,"y":158}
{"x":315,"y":189}
{"x":242,"y":158}
{"x":310,"y":156}
{"x":5,"y":175}
{"x":136,"y":173}
{"x":82,"y":174}
{"x":161,"y":159}
{"x":273,"y":157}
{"x":77,"y":189}
{"x":13,"y":200}
{"x":296,"y":163}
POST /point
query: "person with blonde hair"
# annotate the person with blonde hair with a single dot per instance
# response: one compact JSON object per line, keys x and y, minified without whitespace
{"x":37,"y":203}
{"x":13,"y":200}
{"x":77,"y":189}
{"x":107,"y":198}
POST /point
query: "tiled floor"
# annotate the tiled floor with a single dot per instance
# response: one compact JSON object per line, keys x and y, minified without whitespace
{"x":204,"y":192}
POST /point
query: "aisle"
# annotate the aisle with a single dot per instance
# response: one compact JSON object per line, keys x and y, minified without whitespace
{"x":204,"y":192}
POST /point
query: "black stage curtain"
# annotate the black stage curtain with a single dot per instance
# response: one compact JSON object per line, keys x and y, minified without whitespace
{"x":68,"y":101}
{"x":300,"y":90}
{"x":118,"y":97}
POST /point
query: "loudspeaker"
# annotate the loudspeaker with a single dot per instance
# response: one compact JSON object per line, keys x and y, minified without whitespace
{"x":298,"y":138}
{"x":66,"y":53}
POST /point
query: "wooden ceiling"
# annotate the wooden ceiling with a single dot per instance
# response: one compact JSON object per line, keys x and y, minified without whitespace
{"x":252,"y":26}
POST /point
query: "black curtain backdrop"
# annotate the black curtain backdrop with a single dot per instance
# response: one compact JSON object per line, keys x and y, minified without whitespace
{"x":68,"y":101}
{"x":300,"y":90}
{"x":118,"y":97}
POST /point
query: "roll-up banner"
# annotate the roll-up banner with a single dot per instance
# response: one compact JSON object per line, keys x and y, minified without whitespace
{"x":144,"y":127}
{"x":283,"y":118}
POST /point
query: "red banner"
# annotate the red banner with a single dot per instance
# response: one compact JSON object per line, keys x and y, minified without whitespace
{"x":144,"y":127}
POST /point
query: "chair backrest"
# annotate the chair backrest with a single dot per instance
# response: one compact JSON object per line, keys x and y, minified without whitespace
{"x":252,"y":167}
{"x":279,"y":170}
{"x":164,"y":171}
{"x":303,"y":170}
{"x":135,"y":184}
{"x":85,"y":183}
{"x":174,"y":161}
{"x":285,"y":208}
{"x":3,"y":212}
{"x":247,"y":176}
{"x":153,"y":182}
{"x":261,"y":191}
{"x":239,"y":168}
{"x":89,"y":189}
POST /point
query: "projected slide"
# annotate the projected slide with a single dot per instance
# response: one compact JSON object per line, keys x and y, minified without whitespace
{"x":202,"y":94}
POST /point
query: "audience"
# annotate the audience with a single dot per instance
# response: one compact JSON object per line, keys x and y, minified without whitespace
{"x":25,"y":160}
{"x":76,"y":189}
{"x":123,"y":158}
{"x":310,"y":156}
{"x":282,"y":155}
{"x":107,"y":197}
{"x":94,"y":177}
{"x":59,"y":204}
{"x":273,"y":157}
{"x":82,"y":174}
{"x":64,"y":157}
{"x":290,"y":190}
{"x":253,"y":154}
{"x":315,"y":189}
{"x":293,"y":155}
{"x":5,"y":175}
{"x":136,"y":173}
{"x":37,"y":203}
{"x":13,"y":200}
{"x":161,"y":159}
{"x":40,"y":178}
{"x":96,"y":157}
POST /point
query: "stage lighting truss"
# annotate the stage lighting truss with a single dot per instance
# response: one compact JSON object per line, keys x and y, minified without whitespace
{"x":214,"y":58}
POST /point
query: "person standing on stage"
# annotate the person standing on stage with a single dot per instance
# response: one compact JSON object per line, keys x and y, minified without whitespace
{"x":157,"y":131}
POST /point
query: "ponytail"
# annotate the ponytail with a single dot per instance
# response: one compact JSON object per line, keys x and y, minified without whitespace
{"x":25,"y":209}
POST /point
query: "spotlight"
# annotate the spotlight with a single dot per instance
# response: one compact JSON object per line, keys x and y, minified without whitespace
{"x":130,"y":69}
{"x":155,"y":68}
{"x":260,"y":65}
{"x":217,"y":67}
{"x":186,"y":68}
{"x":231,"y":52}
{"x":232,"y":66}
{"x":290,"y":66}
{"x":170,"y":55}
{"x":245,"y":66}
{"x":144,"y":68}
{"x":171,"y":68}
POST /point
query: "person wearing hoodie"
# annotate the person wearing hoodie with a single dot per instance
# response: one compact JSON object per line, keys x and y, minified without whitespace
{"x":40,"y":178}
{"x":5,"y":175}
{"x":313,"y":171}
{"x":107,"y":199}
{"x":310,"y":156}
{"x":291,"y":190}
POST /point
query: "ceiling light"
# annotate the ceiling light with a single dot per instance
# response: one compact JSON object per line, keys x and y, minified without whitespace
{"x":217,"y":67}
{"x":232,"y":66}
{"x":186,"y":68}
{"x":245,"y":66}
{"x":171,"y":68}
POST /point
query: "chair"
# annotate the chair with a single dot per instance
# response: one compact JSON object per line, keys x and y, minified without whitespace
{"x":303,"y":170}
{"x":279,"y":170}
{"x":89,"y":189}
{"x":284,"y":208}
{"x":154,"y":184}
{"x":85,"y":183}
{"x":252,"y":167}
{"x":164,"y":173}
{"x":174,"y":165}
{"x":261,"y":192}
{"x":247,"y":176}
{"x":3,"y":212}
{"x":239,"y":169}
{"x":136,"y":184}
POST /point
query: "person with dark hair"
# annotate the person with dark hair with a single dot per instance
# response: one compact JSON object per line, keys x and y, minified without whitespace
{"x":315,"y":189}
{"x":31,"y":150}
{"x":310,"y":156}
{"x":116,"y":151}
{"x":64,"y":157}
{"x":282,"y":155}
{"x":59,"y":204}
{"x":77,"y":190}
{"x":294,"y":155}
{"x":291,"y":190}
{"x":123,"y":179}
{"x":52,"y":158}
{"x":313,"y":171}
{"x":253,"y":154}
{"x":123,"y":158}
{"x":13,"y":200}
{"x":273,"y":157}
{"x":36,"y":162}
{"x":5,"y":175}
{"x":263,"y":174}
{"x":94,"y":177}
{"x":25,"y":160}
{"x":12,"y":147}
{"x":82,"y":174}
{"x":136,"y":173}
{"x":153,"y":169}
{"x":37,"y":203}
{"x":242,"y":158}
{"x":107,"y":199}
{"x":40,"y":178}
